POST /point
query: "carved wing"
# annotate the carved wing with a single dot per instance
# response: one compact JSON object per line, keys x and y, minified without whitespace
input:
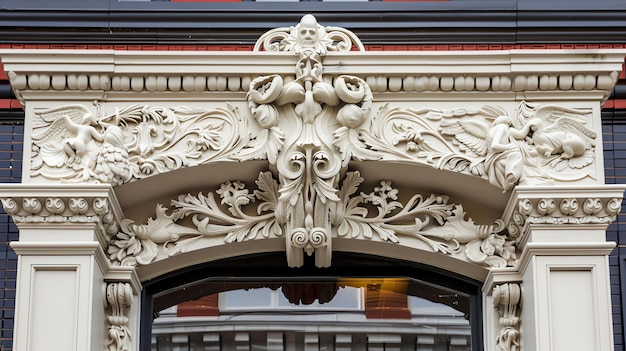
{"x":551,"y":113}
{"x":75,"y":113}
{"x":469,"y":135}
{"x":50,"y":142}
{"x":559,"y":118}
{"x":571,"y":126}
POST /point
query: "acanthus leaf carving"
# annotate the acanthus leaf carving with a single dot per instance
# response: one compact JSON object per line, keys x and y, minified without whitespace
{"x":242,"y":215}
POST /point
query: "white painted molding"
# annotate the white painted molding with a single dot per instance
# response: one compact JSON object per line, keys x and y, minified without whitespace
{"x":186,"y":72}
{"x":60,"y":205}
{"x":577,"y":205}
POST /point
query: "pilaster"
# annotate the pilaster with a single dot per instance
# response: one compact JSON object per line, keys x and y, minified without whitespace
{"x":565,"y":295}
{"x":61,"y":263}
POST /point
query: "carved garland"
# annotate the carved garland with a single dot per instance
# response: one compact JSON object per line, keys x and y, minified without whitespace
{"x":241,"y":215}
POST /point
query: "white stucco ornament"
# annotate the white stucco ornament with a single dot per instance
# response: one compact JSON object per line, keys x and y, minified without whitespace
{"x":309,"y":128}
{"x":406,"y":155}
{"x":243,"y":215}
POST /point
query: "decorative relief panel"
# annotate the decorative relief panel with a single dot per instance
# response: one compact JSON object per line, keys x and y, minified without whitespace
{"x":309,"y":128}
{"x":72,"y":145}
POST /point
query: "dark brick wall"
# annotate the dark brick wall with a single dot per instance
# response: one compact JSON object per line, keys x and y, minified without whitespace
{"x":11,"y":138}
{"x":614,"y":138}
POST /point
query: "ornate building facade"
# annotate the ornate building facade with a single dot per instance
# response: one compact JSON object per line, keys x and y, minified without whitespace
{"x":309,"y":163}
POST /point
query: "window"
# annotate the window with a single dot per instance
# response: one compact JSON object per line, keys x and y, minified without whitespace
{"x":322,"y":308}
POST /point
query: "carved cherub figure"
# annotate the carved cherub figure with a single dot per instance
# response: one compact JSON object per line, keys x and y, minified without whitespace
{"x":66,"y":140}
{"x":504,"y":160}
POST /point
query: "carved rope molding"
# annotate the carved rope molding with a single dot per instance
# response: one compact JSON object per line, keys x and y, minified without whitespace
{"x":507,"y":300}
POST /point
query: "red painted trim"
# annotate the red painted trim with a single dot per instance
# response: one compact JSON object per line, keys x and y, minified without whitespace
{"x":424,"y":47}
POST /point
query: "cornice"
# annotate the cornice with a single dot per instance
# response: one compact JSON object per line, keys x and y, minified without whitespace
{"x":158,"y":22}
{"x":98,"y":71}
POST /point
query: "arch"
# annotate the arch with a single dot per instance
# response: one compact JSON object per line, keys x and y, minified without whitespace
{"x":481,"y":163}
{"x":194,"y":282}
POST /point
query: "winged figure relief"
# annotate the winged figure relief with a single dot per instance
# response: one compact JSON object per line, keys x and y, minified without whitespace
{"x":68,"y":141}
{"x":492,"y":146}
{"x":558,"y":134}
{"x":537,"y":144}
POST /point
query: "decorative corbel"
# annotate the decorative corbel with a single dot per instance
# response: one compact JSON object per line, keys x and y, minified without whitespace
{"x":507,"y":300}
{"x":118,"y":298}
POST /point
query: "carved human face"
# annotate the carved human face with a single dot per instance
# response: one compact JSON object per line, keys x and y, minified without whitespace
{"x":307,"y":34}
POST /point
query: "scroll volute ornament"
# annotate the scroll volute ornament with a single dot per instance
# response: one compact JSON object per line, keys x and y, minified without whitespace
{"x":118,"y":298}
{"x":308,"y":162}
{"x":507,"y":300}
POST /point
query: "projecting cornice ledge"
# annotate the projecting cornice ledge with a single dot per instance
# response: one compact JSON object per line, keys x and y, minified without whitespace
{"x":96,"y":74}
{"x":64,"y":205}
{"x":582,"y":206}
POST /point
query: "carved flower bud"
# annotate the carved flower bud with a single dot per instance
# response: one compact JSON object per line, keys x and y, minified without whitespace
{"x":265,"y":89}
{"x":350,"y":89}
{"x":350,"y":116}
{"x":266,"y":116}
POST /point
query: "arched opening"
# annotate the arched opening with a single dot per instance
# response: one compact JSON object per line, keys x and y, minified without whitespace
{"x":256,"y":302}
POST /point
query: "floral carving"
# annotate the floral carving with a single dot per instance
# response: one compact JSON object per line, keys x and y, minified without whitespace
{"x":133,"y":143}
{"x":429,"y":219}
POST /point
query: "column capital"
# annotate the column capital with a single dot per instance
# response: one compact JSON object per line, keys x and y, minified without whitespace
{"x":593,"y":205}
{"x":63,"y":205}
